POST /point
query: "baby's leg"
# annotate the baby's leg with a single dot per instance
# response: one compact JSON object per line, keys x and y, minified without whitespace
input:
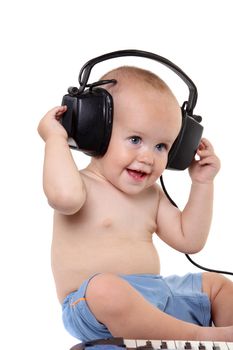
{"x":220,"y":292}
{"x":115,"y":303}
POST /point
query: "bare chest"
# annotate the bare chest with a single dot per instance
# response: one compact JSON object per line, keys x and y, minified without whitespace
{"x":113,"y":211}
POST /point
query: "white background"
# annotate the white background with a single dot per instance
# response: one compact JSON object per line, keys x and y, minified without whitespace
{"x":43,"y":46}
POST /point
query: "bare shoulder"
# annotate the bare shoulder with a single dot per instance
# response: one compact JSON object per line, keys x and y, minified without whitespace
{"x":89,"y":177}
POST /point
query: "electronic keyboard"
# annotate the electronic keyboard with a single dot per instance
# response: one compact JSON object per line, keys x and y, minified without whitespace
{"x":130,"y":344}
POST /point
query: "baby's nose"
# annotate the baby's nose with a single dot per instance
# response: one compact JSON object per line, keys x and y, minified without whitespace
{"x":146,"y":157}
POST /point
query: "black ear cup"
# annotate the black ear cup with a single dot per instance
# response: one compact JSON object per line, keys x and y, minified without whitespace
{"x":186,"y":143}
{"x":88,"y":120}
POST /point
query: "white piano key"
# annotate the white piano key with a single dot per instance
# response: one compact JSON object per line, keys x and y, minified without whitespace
{"x":220,"y":345}
{"x":141,"y":342}
{"x":230,"y":345}
{"x":156,"y":344}
{"x":180,"y":344}
{"x":130,"y":343}
{"x":170,"y":344}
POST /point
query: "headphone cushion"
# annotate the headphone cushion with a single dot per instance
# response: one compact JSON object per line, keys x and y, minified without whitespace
{"x":184,"y":148}
{"x":90,"y":120}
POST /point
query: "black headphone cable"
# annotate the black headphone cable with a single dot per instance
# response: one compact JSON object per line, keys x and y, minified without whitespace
{"x":187,"y":256}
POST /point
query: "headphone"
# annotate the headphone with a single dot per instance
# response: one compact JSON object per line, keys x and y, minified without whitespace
{"x":89,"y":116}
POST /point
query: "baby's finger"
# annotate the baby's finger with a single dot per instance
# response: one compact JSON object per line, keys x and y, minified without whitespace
{"x":57,"y":111}
{"x":204,"y":152}
{"x":211,"y":161}
{"x":207,"y":160}
{"x":206,"y":144}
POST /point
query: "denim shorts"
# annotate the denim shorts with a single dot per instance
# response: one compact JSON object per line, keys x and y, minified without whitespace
{"x":181,"y":297}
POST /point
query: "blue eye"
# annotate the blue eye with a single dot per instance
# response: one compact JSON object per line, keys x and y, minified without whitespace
{"x":160,"y":147}
{"x":135,"y":140}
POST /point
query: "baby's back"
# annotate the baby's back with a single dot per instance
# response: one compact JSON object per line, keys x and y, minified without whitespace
{"x":112,"y":232}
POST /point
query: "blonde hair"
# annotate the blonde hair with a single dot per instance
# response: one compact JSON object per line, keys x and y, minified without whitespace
{"x":126,"y":74}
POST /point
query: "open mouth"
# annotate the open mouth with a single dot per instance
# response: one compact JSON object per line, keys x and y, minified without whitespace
{"x":137,"y":174}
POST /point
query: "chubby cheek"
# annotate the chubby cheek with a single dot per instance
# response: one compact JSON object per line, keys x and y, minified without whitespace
{"x":113,"y":165}
{"x":153,"y":178}
{"x":119,"y":158}
{"x":159,"y":169}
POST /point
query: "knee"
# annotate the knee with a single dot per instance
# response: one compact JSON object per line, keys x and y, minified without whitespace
{"x":106,"y":293}
{"x":213,"y":282}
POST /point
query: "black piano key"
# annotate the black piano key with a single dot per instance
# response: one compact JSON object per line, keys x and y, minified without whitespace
{"x":163,"y":345}
{"x":188,"y":345}
{"x":201,"y":346}
{"x":216,"y":347}
{"x":147,"y":346}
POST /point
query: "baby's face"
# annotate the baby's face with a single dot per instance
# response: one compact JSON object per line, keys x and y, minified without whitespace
{"x":146,"y":123}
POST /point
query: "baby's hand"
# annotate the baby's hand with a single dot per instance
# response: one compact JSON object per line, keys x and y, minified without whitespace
{"x":205,"y":169}
{"x":50,"y":125}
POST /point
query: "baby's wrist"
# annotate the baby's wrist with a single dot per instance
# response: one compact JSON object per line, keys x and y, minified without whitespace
{"x":203,"y":184}
{"x":57,"y":138}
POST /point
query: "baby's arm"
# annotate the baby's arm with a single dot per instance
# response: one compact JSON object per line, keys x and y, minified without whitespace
{"x":62,"y":182}
{"x":188,"y":230}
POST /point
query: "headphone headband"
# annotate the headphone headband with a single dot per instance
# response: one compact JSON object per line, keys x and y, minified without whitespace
{"x":86,"y":70}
